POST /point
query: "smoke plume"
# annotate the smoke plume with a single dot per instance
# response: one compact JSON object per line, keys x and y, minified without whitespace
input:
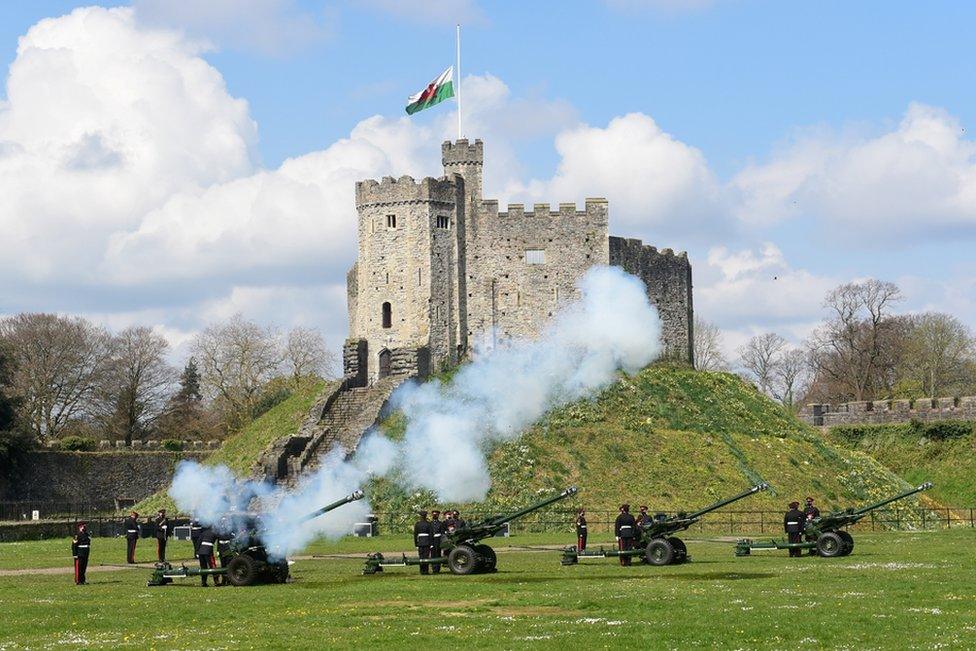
{"x":612,"y":327}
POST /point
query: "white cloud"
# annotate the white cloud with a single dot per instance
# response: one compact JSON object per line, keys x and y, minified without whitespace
{"x":657,"y":185}
{"x":917,"y":180}
{"x":269,"y":26}
{"x":103,"y":123}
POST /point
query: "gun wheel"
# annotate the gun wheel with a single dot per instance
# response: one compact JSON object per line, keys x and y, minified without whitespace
{"x":848,"y":542}
{"x":242,"y":571}
{"x":830,"y":544}
{"x":680,"y":551}
{"x":462,"y":560}
{"x":659,"y":552}
{"x":488,"y":558}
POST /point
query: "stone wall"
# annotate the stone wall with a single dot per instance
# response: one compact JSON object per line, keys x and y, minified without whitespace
{"x":667,"y":277}
{"x":91,"y":477}
{"x":890,"y":411}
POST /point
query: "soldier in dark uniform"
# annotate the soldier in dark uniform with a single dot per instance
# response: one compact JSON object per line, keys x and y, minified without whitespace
{"x":422,"y":539}
{"x":459,"y":522}
{"x":80,"y":549}
{"x":205,"y":552}
{"x":793,"y":523}
{"x":643,"y":518}
{"x":581,"y":530}
{"x":162,"y":533}
{"x":810,"y":512}
{"x":195,"y":530}
{"x":437,"y":530}
{"x":625,"y":529}
{"x":131,"y":526}
{"x":224,"y":537}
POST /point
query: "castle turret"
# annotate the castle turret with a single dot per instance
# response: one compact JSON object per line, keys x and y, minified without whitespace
{"x":468,"y":160}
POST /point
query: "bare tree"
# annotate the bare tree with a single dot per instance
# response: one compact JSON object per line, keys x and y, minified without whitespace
{"x":138,"y":382}
{"x":59,"y":363}
{"x":760,"y":357}
{"x":307,"y":356}
{"x":236,"y":359}
{"x":790,"y":376}
{"x":939,"y":353}
{"x":708,"y":347}
{"x":855,"y":348}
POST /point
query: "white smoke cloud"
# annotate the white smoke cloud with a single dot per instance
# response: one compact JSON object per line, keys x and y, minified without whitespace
{"x":611,"y":328}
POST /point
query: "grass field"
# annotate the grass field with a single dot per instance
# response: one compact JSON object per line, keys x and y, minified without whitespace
{"x":898,"y":590}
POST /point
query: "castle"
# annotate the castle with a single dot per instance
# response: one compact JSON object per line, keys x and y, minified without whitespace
{"x":440,"y":268}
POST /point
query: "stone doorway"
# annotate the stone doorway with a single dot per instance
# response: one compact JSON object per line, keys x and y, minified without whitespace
{"x":384,"y":363}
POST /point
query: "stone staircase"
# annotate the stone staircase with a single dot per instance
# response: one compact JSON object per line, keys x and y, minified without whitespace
{"x":339,"y":418}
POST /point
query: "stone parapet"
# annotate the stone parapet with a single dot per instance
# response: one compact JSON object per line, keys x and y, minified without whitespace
{"x":890,"y":411}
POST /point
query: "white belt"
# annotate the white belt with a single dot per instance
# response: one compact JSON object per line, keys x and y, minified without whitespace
{"x":792,"y":523}
{"x":83,"y":546}
{"x":625,"y":526}
{"x":207,"y":544}
{"x":583,"y":526}
{"x":422,"y":535}
{"x":224,"y":542}
{"x":132,"y":531}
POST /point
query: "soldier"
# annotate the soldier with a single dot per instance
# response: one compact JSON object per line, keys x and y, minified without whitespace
{"x":793,"y":524}
{"x":421,"y":539}
{"x":459,"y":522}
{"x":437,"y":530}
{"x":643,"y":518}
{"x":131,"y":526}
{"x":811,"y":512}
{"x":196,"y":529}
{"x":224,"y":537}
{"x":448,"y":521}
{"x":205,"y":552}
{"x":581,"y":530}
{"x":80,"y":549}
{"x":162,"y":533}
{"x":624,"y":529}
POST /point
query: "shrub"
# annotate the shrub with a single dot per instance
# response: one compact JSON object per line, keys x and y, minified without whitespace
{"x":271,"y":397}
{"x":172,"y":445}
{"x":948,"y":429}
{"x":75,"y":444}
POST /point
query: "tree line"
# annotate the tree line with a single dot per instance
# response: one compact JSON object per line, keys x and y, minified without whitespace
{"x":66,"y":376}
{"x":861,"y":350}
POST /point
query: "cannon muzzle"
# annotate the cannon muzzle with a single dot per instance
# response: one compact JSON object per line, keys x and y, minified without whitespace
{"x":352,"y":497}
{"x":900,"y":496}
{"x":735,"y":498}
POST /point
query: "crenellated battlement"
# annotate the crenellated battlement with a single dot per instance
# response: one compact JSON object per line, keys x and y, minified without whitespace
{"x":594,"y":209}
{"x":404,"y":189}
{"x":890,"y":411}
{"x":462,"y":152}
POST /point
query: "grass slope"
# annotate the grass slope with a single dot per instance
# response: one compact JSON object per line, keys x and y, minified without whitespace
{"x":907,"y":450}
{"x":241,"y":450}
{"x":898,"y":590}
{"x":672,"y":437}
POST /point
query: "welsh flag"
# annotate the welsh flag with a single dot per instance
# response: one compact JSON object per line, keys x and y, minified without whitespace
{"x":436,"y":92}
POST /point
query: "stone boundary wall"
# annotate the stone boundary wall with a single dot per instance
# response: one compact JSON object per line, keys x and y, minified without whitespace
{"x":91,"y":477}
{"x":889,"y":411}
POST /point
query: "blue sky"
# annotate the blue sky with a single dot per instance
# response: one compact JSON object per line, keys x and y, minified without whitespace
{"x":819,"y":142}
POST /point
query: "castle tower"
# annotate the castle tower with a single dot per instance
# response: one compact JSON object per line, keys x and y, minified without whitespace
{"x":402,"y":290}
{"x":468,"y":160}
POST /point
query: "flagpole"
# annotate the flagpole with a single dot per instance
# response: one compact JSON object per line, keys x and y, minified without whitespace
{"x":459,"y":78}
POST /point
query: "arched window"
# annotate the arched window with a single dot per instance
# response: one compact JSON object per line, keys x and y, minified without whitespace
{"x":387,"y":315}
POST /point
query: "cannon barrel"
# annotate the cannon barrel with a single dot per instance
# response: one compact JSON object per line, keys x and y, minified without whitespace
{"x":877,"y":505}
{"x":352,"y":497}
{"x":502,"y":519}
{"x":735,"y":498}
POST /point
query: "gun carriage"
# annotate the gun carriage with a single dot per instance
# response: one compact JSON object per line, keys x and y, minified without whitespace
{"x":461,"y":548}
{"x":825,"y":534}
{"x":656,"y":543}
{"x":250,"y":563}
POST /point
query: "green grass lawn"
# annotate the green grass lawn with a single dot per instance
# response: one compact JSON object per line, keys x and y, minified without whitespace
{"x":898,"y":590}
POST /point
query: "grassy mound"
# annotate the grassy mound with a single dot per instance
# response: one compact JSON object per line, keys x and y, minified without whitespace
{"x":941,"y":452}
{"x":241,"y":450}
{"x":671,"y":437}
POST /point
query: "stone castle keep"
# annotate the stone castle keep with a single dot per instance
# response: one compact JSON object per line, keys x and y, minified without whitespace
{"x":440,"y":268}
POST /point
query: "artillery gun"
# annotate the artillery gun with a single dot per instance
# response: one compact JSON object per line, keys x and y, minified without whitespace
{"x":250,"y":562}
{"x":461,"y":548}
{"x":825,"y":534}
{"x":656,"y":541}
